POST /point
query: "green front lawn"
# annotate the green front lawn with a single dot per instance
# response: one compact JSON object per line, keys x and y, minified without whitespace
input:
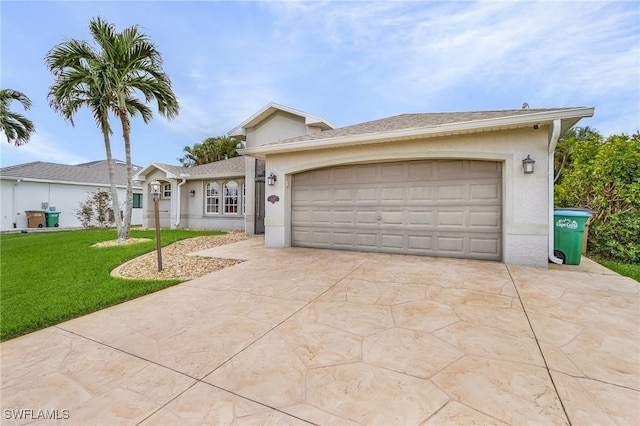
{"x":50,"y":277}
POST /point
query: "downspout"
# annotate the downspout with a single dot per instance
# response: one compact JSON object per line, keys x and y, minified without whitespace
{"x":13,"y":204}
{"x":553,"y":141}
{"x":178,"y":203}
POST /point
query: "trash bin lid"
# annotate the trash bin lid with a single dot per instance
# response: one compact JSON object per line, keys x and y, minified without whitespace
{"x":571,"y":213}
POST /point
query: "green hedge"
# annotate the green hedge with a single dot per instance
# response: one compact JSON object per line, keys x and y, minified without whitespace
{"x":604,"y":175}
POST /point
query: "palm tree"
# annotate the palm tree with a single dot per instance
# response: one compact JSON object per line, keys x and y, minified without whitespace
{"x":210,"y":150}
{"x":16,"y":127}
{"x":125,"y":65}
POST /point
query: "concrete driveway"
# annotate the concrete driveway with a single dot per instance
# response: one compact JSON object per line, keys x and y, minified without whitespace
{"x":301,"y":336}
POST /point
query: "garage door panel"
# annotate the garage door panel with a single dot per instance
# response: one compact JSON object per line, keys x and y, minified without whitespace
{"x":364,"y":195}
{"x":484,"y":246}
{"x":420,"y":244}
{"x":392,"y":170}
{"x":420,"y":170}
{"x":392,"y":194}
{"x":485,"y":219}
{"x":484,"y":191}
{"x":446,"y":208}
{"x":451,"y":244}
{"x":366,"y":240}
{"x":451,"y":192}
{"x":420,"y":218}
{"x":366,"y":172}
{"x":449,"y":168}
{"x":422,"y":193}
{"x":343,"y":195}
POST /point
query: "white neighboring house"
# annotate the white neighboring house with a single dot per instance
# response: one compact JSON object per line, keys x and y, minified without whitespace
{"x":59,"y":187}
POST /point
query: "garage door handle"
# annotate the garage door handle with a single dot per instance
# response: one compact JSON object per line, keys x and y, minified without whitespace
{"x":378,"y":217}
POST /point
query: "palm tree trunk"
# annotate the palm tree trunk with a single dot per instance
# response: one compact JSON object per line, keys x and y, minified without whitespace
{"x":112,"y":179}
{"x":126,"y":134}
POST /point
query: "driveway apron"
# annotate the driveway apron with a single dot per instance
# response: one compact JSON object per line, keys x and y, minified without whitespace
{"x":305,"y":336}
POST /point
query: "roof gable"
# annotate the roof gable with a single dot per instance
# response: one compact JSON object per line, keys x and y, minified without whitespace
{"x":239,"y":132}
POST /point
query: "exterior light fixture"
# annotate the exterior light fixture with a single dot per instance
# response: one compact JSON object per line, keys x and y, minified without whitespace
{"x":155,"y":190}
{"x":271,"y":179}
{"x":527,"y":165}
{"x":192,"y":193}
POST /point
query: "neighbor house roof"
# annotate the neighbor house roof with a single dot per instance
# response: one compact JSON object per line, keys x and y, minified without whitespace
{"x":239,"y":132}
{"x":414,"y":126}
{"x":225,"y":168}
{"x":92,"y":173}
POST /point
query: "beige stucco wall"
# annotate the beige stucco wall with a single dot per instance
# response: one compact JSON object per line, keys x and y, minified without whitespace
{"x":525,"y":197}
{"x":278,"y":126}
{"x":191,"y":209}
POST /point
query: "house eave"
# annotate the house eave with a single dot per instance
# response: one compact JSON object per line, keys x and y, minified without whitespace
{"x":63,"y":182}
{"x":569,"y":117}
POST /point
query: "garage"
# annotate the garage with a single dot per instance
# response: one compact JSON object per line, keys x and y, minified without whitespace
{"x":445,"y":208}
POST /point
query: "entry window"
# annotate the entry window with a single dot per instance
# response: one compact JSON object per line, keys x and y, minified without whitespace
{"x":137,"y":201}
{"x":231,"y":197}
{"x":212,"y":198}
{"x":166,"y":190}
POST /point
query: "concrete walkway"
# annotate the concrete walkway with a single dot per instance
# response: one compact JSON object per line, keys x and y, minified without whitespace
{"x":301,"y":336}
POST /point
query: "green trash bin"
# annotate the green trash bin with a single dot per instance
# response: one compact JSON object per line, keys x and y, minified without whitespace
{"x":568,"y":233}
{"x":52,"y":219}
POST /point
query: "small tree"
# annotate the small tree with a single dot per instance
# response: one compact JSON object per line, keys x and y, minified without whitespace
{"x":96,"y":211}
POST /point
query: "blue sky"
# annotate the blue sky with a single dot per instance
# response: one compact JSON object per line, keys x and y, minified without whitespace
{"x":347,"y":62}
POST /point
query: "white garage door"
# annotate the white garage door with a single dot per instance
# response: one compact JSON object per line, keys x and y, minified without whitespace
{"x":446,"y":208}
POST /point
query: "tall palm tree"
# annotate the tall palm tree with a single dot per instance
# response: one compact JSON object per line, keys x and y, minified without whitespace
{"x":124,"y":66}
{"x":79,"y":81}
{"x":16,"y":127}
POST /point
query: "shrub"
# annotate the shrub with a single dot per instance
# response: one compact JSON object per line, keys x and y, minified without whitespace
{"x":605,"y":177}
{"x":95,"y":211}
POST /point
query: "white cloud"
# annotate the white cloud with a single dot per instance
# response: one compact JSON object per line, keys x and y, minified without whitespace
{"x":41,"y":147}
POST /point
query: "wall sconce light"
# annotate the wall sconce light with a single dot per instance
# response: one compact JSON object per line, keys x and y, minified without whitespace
{"x":192,"y":193}
{"x":271,"y":179}
{"x":527,"y":165}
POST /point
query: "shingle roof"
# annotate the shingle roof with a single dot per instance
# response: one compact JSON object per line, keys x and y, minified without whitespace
{"x":412,"y":121}
{"x":95,"y":172}
{"x":232,"y":166}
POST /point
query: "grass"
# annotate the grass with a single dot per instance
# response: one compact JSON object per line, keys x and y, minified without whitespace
{"x":51,"y":277}
{"x":626,"y":269}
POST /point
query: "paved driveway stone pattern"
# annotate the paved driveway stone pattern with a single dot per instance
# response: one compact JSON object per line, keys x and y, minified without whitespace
{"x":301,"y":336}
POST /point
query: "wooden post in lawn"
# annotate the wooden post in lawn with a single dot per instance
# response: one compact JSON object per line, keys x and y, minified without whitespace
{"x":155,"y":188}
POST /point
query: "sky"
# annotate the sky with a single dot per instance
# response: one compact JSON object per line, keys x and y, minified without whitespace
{"x":345,"y":61}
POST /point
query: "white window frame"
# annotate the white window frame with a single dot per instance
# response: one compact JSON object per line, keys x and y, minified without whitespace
{"x":166,"y":190}
{"x":217,"y":198}
{"x":230,"y":194}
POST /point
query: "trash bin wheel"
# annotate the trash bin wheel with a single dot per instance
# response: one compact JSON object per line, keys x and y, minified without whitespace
{"x":56,"y":225}
{"x":559,"y":255}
